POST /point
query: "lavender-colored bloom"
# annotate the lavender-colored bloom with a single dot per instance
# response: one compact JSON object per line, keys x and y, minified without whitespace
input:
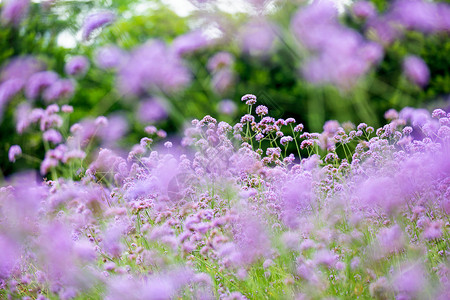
{"x":14,"y":11}
{"x":262,"y":110}
{"x":189,"y":43}
{"x":330,"y":127}
{"x":341,"y":55}
{"x":95,"y":21}
{"x":10,"y":256}
{"x":382,"y":30}
{"x":77,"y":66}
{"x":416,"y":15}
{"x":257,"y":37}
{"x":152,"y":66}
{"x":409,"y":281}
{"x":53,"y":136}
{"x":109,"y":57}
{"x":21,"y":68}
{"x":14,"y":152}
{"x":60,"y":89}
{"x":152,"y":110}
{"x":38,"y":82}
{"x":220,"y":60}
{"x":363,"y":9}
{"x":227,"y":107}
{"x":416,"y":70}
{"x":117,"y":128}
{"x":9,"y":89}
{"x":222,"y":80}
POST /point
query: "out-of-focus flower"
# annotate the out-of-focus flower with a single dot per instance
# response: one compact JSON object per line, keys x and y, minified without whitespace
{"x":257,"y":37}
{"x":152,"y":66}
{"x":222,"y":80}
{"x":416,"y":14}
{"x":62,"y":88}
{"x":340,"y":55}
{"x":189,"y":43}
{"x":38,"y":82}
{"x":109,"y":57}
{"x":9,"y":89}
{"x":416,"y":70}
{"x":53,"y":136}
{"x":363,"y":9}
{"x":152,"y":110}
{"x":14,"y":152}
{"x":77,"y":66}
{"x":220,"y":60}
{"x":96,"y":20}
{"x":227,"y":107}
{"x":14,"y":11}
{"x":409,"y":281}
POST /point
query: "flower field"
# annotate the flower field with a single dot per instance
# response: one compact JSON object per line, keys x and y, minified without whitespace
{"x":153,"y":164}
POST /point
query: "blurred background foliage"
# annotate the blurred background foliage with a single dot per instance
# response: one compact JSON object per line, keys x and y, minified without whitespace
{"x":274,"y":76}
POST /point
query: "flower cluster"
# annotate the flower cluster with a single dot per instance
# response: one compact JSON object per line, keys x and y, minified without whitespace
{"x":357,"y":216}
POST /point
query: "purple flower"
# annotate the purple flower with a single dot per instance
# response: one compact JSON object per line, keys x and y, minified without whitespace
{"x":330,"y":127}
{"x":109,"y":57}
{"x":9,"y":89}
{"x":416,"y":70}
{"x":14,"y":152}
{"x":152,"y":66}
{"x":227,"y":107}
{"x":364,"y":9}
{"x":53,"y":136}
{"x":249,"y":99}
{"x":257,"y":37}
{"x":189,"y":43}
{"x":14,"y":11}
{"x":409,"y":281}
{"x":95,"y":21}
{"x":60,"y":89}
{"x":220,"y":60}
{"x":21,"y":68}
{"x":262,"y":110}
{"x":340,"y":55}
{"x":222,"y":80}
{"x":38,"y":82}
{"x":77,"y":66}
{"x":152,"y":110}
{"x":417,"y":15}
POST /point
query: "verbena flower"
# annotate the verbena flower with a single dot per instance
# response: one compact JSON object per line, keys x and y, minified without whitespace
{"x":95,"y":21}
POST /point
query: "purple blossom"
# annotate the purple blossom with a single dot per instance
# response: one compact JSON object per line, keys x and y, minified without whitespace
{"x":227,"y":107}
{"x":38,"y":82}
{"x":77,"y":66}
{"x":152,"y":66}
{"x":152,"y":110}
{"x":8,"y":89}
{"x":363,"y":9}
{"x":418,"y":15}
{"x":60,"y":89}
{"x":109,"y":57}
{"x":95,"y":21}
{"x":341,"y":55}
{"x":222,"y":80}
{"x":220,"y":60}
{"x":409,"y":281}
{"x":262,"y":110}
{"x":416,"y":70}
{"x":14,"y":11}
{"x":14,"y":152}
{"x":257,"y":37}
{"x":190,"y":42}
{"x":249,"y":99}
{"x":53,"y":136}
